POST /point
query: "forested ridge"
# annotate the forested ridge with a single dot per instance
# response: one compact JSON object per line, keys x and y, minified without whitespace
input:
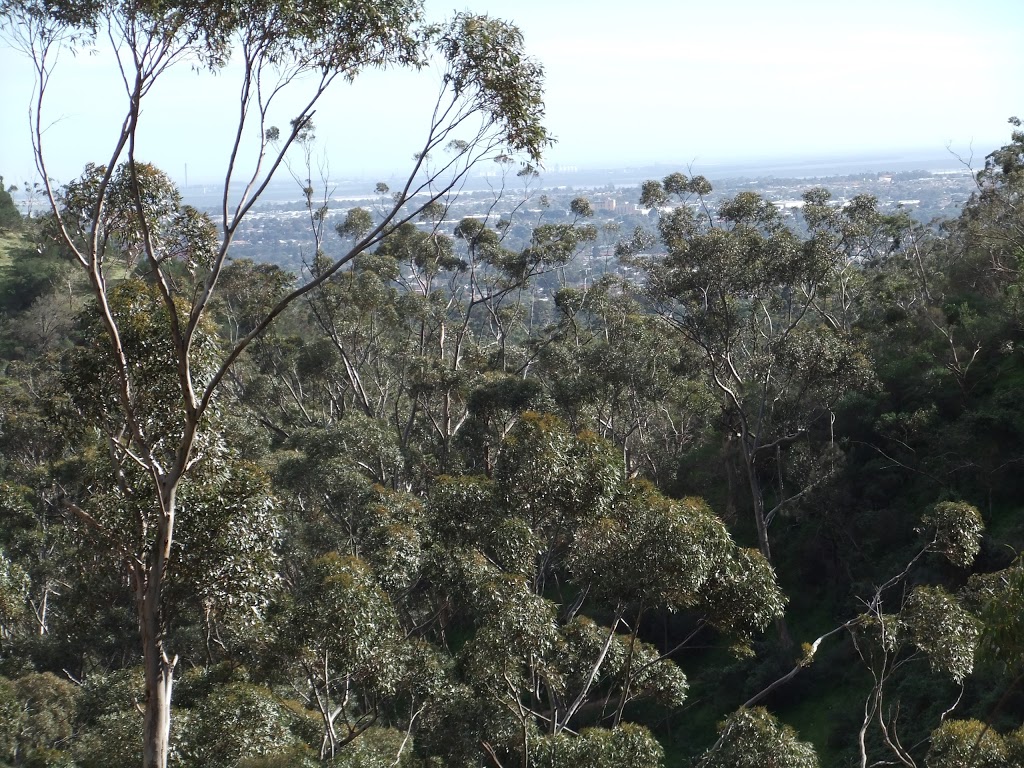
{"x":751,"y":500}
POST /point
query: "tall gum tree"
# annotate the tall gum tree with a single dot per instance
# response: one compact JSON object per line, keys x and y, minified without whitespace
{"x":124,"y":215}
{"x":420,"y":333}
{"x":742,"y":287}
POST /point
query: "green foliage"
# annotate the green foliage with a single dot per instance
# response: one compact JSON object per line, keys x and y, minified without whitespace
{"x":940,"y":627}
{"x":741,"y":594}
{"x":151,"y":480}
{"x":999,"y":598}
{"x":358,"y":222}
{"x":93,"y":381}
{"x":656,"y":194}
{"x":516,"y":626}
{"x":234,"y":722}
{"x":37,"y":720}
{"x":10,"y":217}
{"x":752,"y":738}
{"x":227,"y":537}
{"x":11,"y":716}
{"x":295,"y":757}
{"x":558,"y":513}
{"x":378,"y":748}
{"x":628,"y":746}
{"x":958,"y":528}
{"x":958,"y":743}
{"x":426,"y":569}
{"x":31,"y":269}
{"x":551,"y":477}
{"x":340,"y":635}
{"x":343,"y":616}
{"x":142,"y":217}
{"x":651,"y":550}
{"x":322,"y":35}
{"x":427,"y":251}
{"x":248,"y":291}
{"x":113,"y":739}
{"x":487,"y":65}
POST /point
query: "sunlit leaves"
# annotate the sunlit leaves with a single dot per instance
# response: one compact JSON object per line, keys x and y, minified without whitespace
{"x":550,"y":245}
{"x":341,"y":615}
{"x":991,"y":224}
{"x":358,"y":221}
{"x":658,"y":194}
{"x":37,"y":719}
{"x":476,"y":232}
{"x":465,"y":515}
{"x":235,"y":721}
{"x":516,"y":628}
{"x":391,"y":540}
{"x":999,"y":598}
{"x":248,"y":291}
{"x":227,"y":538}
{"x":140,"y":216}
{"x":939,"y":626}
{"x":325,"y":34}
{"x":376,"y":747}
{"x":487,"y":64}
{"x":958,"y":528}
{"x":551,"y":477}
{"x":581,"y":207}
{"x":559,"y":519}
{"x":656,"y":552}
{"x":628,"y":746}
{"x":650,"y":550}
{"x":958,"y":743}
{"x":428,"y":251}
{"x":93,"y":377}
{"x":752,"y":738}
{"x":741,"y":595}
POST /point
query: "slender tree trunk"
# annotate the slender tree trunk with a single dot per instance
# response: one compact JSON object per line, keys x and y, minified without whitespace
{"x":150,"y":577}
{"x":157,"y":716}
{"x":730,"y":481}
{"x":757,"y":501}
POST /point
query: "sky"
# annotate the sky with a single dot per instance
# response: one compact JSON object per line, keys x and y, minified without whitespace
{"x":628,"y":83}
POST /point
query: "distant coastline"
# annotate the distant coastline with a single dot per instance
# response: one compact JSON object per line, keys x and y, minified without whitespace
{"x":558,"y":177}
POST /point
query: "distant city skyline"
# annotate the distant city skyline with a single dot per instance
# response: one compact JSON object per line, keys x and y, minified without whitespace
{"x":627,"y":84}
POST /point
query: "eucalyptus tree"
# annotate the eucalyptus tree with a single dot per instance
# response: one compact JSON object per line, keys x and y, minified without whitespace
{"x":550,"y":567}
{"x":991,"y":227}
{"x":485,"y":318}
{"x":124,"y":215}
{"x":424,"y":326}
{"x":941,"y":310}
{"x":904,"y":622}
{"x":10,"y":216}
{"x":742,"y":287}
{"x":856,"y":236}
{"x":611,"y":366}
{"x":752,"y":738}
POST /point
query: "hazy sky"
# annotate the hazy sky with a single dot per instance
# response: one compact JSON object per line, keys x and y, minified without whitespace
{"x":628,"y":83}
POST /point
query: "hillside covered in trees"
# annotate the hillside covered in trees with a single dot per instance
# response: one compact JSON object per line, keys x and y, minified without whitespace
{"x":751,"y":498}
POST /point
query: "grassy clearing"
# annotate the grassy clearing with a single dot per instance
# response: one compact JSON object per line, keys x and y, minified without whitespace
{"x":10,"y":241}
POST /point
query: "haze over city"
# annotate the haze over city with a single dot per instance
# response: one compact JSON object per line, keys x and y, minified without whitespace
{"x":627,"y":84}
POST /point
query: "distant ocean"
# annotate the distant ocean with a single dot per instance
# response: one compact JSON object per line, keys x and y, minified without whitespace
{"x":780,"y":168}
{"x":207,"y":196}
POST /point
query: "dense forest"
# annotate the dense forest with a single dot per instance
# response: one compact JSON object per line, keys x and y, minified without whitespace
{"x":749,"y":499}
